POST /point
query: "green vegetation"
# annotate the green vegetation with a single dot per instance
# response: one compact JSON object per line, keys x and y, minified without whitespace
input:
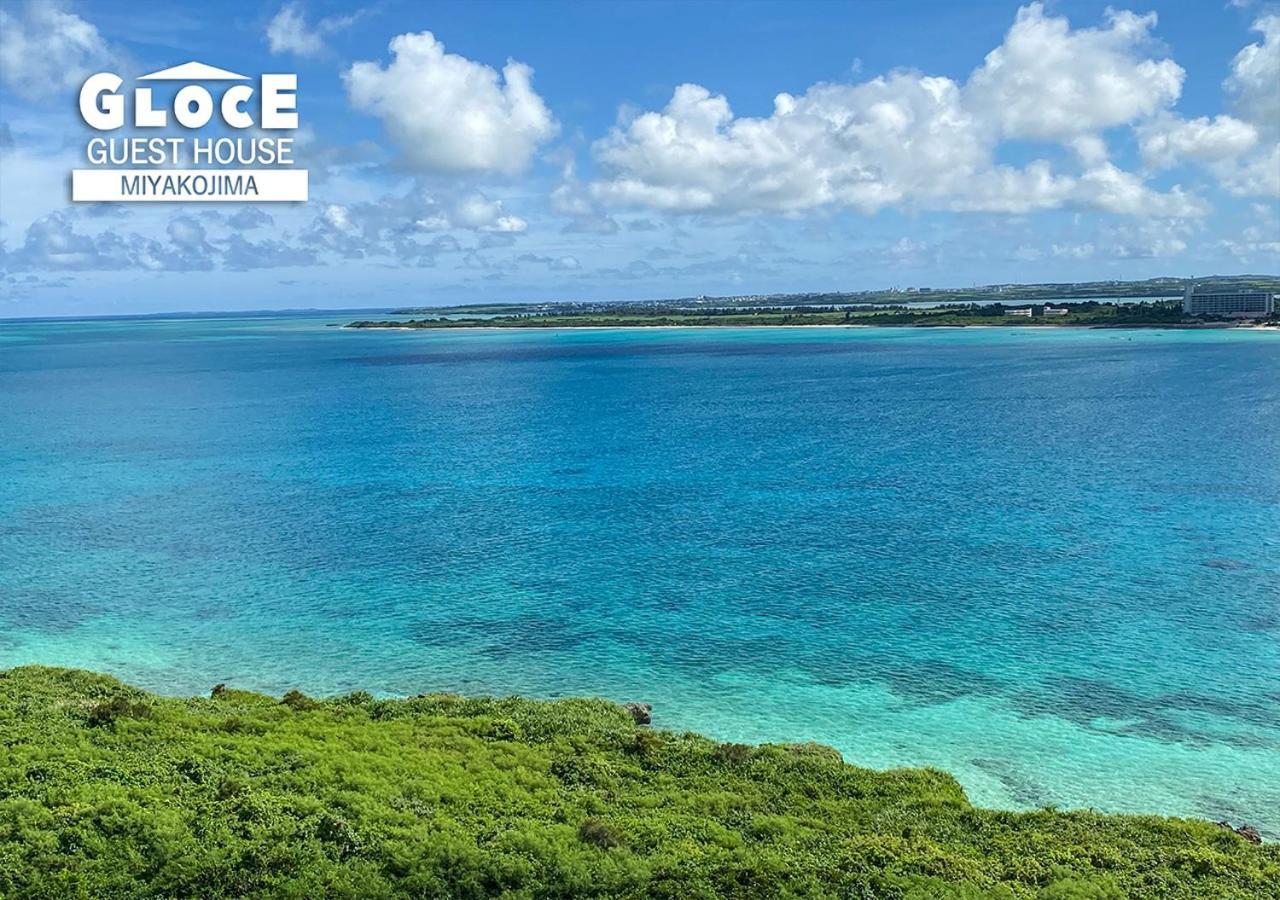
{"x":1152,"y":289}
{"x":108,"y":791}
{"x":1091,"y":313}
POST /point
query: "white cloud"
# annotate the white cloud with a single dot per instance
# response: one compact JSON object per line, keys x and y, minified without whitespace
{"x":1242,"y":151}
{"x":1257,"y":175}
{"x":866,"y":146}
{"x":482,"y":214}
{"x":248,"y":218}
{"x":53,"y":243}
{"x":1166,"y":140}
{"x":44,"y":49}
{"x":1006,"y":189}
{"x":1259,"y":240}
{"x":1115,"y":190}
{"x":450,"y":114}
{"x":1254,"y":84}
{"x":1255,"y":77}
{"x":1050,"y":82}
{"x":1090,"y":149}
{"x":337,"y":218}
{"x":1252,"y":245}
{"x":410,"y":227}
{"x":554,"y":263}
{"x":1074,"y":251}
{"x":906,"y":250}
{"x":909,"y":139}
{"x":289,"y":32}
{"x":1152,"y":239}
{"x":571,"y":199}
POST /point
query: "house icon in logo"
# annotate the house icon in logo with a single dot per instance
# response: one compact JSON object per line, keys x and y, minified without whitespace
{"x":193,"y":71}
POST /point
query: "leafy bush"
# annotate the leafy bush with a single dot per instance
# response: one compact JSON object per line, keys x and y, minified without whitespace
{"x":109,"y":792}
{"x":106,"y":713}
{"x":298,"y":701}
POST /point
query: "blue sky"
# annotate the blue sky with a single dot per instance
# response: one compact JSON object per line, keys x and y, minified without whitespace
{"x":476,"y":151}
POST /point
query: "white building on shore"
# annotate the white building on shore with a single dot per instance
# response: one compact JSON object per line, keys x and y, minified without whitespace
{"x":1235,"y":304}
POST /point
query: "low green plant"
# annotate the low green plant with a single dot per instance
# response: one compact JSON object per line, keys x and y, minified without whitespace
{"x":106,"y":791}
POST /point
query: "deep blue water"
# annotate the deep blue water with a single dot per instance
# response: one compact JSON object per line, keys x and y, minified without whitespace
{"x":1047,"y":561}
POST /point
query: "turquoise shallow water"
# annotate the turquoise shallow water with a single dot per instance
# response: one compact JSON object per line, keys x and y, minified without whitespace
{"x":1046,"y":561}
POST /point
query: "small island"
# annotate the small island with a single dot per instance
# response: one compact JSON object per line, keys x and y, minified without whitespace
{"x":110,"y":791}
{"x":1213,"y":303}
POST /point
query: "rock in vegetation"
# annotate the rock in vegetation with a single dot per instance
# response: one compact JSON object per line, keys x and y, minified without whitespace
{"x":640,"y":712}
{"x":1248,"y":832}
{"x":598,"y":834}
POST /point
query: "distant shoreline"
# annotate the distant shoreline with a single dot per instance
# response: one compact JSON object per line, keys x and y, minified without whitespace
{"x":1088,"y":314}
{"x":479,"y":325}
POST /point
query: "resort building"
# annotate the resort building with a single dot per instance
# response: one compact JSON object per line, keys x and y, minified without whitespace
{"x":1055,"y":310}
{"x":1018,"y":312}
{"x":1243,"y":304}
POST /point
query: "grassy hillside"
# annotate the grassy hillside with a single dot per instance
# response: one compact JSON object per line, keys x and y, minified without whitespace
{"x":107,"y":791}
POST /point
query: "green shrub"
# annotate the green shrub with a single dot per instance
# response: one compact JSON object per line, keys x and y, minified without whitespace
{"x":734,"y":754}
{"x":298,"y":701}
{"x":107,"y":712}
{"x":110,"y":792}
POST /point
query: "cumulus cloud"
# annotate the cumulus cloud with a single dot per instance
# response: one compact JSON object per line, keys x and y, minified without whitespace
{"x":1257,"y":175}
{"x":1255,"y":74}
{"x":1167,"y":140}
{"x":554,"y":263}
{"x":248,"y":218}
{"x":1241,"y":150}
{"x":571,"y":199}
{"x":905,"y":251}
{"x":1115,"y":190}
{"x":1050,"y":82}
{"x":1146,"y":240}
{"x":1253,"y":85}
{"x":1258,"y":241}
{"x":448,"y":113}
{"x":482,"y":214}
{"x":52,"y":242}
{"x":289,"y":32}
{"x":909,"y":139}
{"x":189,"y":245}
{"x":242,"y":254}
{"x":44,"y":49}
{"x":865,"y":146}
{"x":412,"y":227}
{"x":55,"y":243}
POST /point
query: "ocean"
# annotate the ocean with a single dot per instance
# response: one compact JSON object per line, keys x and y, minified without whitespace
{"x":1044,"y":560}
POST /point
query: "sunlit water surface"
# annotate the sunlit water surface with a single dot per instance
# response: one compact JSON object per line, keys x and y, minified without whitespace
{"x":1047,"y":561}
